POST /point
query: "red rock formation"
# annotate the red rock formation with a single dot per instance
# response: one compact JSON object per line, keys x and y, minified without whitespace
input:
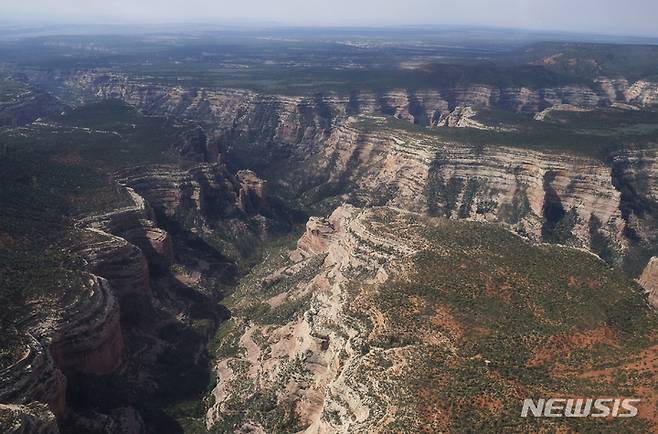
{"x":88,"y":336}
{"x":123,"y":264}
{"x":135,"y":224}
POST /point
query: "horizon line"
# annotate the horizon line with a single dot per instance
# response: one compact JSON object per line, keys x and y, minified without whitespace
{"x":271,"y":25}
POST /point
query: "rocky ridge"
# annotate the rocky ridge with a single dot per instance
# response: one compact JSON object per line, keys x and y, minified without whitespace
{"x":354,"y":329}
{"x":424,"y":107}
{"x":311,"y":360}
{"x":542,"y":195}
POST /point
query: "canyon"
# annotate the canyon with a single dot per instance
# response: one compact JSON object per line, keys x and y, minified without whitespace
{"x":362,"y":326}
{"x":603,"y":203}
{"x":382,"y":261}
{"x":137,"y":283}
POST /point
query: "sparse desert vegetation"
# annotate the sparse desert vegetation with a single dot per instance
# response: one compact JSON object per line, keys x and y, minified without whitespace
{"x":338,"y":230}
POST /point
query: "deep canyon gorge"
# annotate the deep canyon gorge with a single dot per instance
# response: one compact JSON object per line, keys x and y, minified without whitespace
{"x":230,"y":259}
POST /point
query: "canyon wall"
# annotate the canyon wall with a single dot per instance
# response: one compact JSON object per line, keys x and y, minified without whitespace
{"x":316,"y":147}
{"x":81,"y":333}
{"x":380,"y":320}
{"x":126,"y":289}
{"x":545,"y":196}
{"x":77,"y":329}
{"x":206,"y":188}
{"x":313,"y":362}
{"x":309,"y":146}
{"x":231,"y":107}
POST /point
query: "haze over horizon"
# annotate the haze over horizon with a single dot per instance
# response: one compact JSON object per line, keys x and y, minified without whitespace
{"x":637,"y":18}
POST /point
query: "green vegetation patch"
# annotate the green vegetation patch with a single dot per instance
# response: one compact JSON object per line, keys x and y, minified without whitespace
{"x":524,"y":321}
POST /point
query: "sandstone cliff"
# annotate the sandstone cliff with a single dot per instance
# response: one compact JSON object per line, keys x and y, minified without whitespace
{"x":308,"y":145}
{"x":88,"y":337}
{"x":546,"y":196}
{"x":311,"y":360}
{"x":136,"y":224}
{"x":383,"y":320}
{"x":79,"y":333}
{"x":425,"y":107}
{"x":206,"y":188}
{"x":649,"y":281}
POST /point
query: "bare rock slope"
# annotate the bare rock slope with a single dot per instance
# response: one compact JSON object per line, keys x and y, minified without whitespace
{"x":382,"y":320}
{"x":312,"y":147}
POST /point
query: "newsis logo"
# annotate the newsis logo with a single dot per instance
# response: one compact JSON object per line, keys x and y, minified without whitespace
{"x":585,"y":407}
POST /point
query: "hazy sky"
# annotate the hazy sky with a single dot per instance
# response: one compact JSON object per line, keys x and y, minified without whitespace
{"x":633,"y":17}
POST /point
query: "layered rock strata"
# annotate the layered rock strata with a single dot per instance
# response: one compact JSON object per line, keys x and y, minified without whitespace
{"x":545,"y":199}
{"x":425,"y":107}
{"x":384,"y":320}
{"x":80,"y":332}
{"x":136,"y":224}
{"x":88,"y":337}
{"x":312,"y":359}
{"x":207,"y":188}
{"x":34,"y":377}
{"x":545,"y":196}
{"x":306,"y":135}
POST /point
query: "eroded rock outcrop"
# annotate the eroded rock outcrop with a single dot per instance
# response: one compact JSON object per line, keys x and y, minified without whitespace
{"x":461,"y":117}
{"x":649,"y":281}
{"x":136,"y":224}
{"x":283,"y":118}
{"x":35,"y":377}
{"x":252,"y":195}
{"x":206,"y":188}
{"x":117,"y":260}
{"x":642,"y":93}
{"x":322,"y":338}
{"x":319,"y":234}
{"x":86,"y":335}
{"x":206,"y":201}
{"x":33,"y":418}
{"x":79,"y":332}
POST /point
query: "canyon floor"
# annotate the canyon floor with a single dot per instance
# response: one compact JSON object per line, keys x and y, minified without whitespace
{"x":325,"y":233}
